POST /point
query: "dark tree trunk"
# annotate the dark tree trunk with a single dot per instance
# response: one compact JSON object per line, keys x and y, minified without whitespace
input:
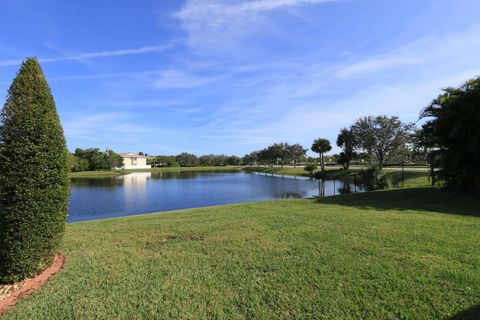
{"x":322,"y":162}
{"x":380,"y":161}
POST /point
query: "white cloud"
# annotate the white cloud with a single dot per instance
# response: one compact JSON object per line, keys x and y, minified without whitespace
{"x":375,"y":65}
{"x":312,"y":118}
{"x":208,"y":11}
{"x":462,"y":48}
{"x":178,"y":79}
{"x":112,"y":127}
{"x":301,"y":102}
{"x":150,"y":103}
{"x":266,"y":5}
{"x":215,"y":26}
{"x":94,"y":55}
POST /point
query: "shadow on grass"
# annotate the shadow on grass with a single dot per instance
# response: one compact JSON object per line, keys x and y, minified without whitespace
{"x":396,"y":177}
{"x":469,"y":314}
{"x":424,"y":199}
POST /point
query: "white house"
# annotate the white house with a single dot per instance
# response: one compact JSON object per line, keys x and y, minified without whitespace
{"x":132,"y":160}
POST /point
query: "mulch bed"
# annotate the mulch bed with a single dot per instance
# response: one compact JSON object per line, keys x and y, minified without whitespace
{"x":10,"y":294}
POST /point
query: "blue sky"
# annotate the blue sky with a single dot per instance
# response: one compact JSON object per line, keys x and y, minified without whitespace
{"x":229,"y":76}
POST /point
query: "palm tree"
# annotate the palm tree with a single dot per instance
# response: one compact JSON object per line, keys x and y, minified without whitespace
{"x":452,"y":134}
{"x":321,"y":146}
{"x":346,"y":140}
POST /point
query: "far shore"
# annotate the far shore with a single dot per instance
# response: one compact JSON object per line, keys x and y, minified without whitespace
{"x":113,"y":173}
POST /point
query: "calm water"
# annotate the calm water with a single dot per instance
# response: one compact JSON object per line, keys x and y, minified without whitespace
{"x":145,"y":192}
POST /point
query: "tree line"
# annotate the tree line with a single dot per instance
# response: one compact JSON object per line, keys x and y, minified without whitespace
{"x":370,"y":139}
{"x":186,"y":159}
{"x":448,"y":141}
{"x":277,"y":154}
{"x":93,"y":159}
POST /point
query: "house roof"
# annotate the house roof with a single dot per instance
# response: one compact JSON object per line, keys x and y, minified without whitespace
{"x":131,"y":155}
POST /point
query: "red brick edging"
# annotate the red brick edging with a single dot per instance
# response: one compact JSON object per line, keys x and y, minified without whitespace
{"x":32,"y":285}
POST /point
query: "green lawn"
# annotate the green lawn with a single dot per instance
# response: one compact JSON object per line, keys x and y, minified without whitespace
{"x":94,"y":174}
{"x":397,"y":254}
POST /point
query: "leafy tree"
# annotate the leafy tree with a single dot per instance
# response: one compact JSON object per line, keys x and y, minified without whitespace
{"x":296,"y":152}
{"x":163,"y":161}
{"x":280,"y":153}
{"x":72,"y":161}
{"x":77,"y":164}
{"x":234,"y":161}
{"x":213,"y":160}
{"x":310,"y":168}
{"x":93,"y":159}
{"x":252,"y":158}
{"x":420,"y":147}
{"x":346,"y":141}
{"x":452,"y":133}
{"x":112,"y":160}
{"x":267,"y":156}
{"x":93,"y":156}
{"x":187,"y":160}
{"x":277,"y":153}
{"x":381,"y":135}
{"x":34,"y":176}
{"x":81,"y":165}
{"x":344,"y":160}
{"x":321,"y":146}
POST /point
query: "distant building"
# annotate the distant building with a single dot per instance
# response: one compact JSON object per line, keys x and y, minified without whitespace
{"x":132,"y":160}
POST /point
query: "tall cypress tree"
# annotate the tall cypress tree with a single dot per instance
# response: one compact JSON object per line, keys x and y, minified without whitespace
{"x":33,"y":176}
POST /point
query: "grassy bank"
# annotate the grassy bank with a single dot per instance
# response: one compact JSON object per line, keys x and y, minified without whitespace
{"x":100,"y":174}
{"x":413,"y":178}
{"x":409,"y":254}
{"x":94,"y":174}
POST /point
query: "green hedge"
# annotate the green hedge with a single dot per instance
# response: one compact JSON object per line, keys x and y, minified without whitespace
{"x":33,"y":176}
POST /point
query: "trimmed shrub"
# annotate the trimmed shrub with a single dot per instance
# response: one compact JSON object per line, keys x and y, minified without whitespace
{"x":33,"y":175}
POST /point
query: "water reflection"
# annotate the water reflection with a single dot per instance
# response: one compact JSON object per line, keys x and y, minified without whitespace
{"x":102,"y":182}
{"x":336,"y":187}
{"x":143,"y":192}
{"x":135,"y":179}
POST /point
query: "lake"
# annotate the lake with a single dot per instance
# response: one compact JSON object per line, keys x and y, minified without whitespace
{"x":145,"y":192}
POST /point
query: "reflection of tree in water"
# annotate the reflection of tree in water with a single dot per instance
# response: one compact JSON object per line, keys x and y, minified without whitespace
{"x":321,"y":188}
{"x":184,"y":174}
{"x":339,"y":187}
{"x":345,"y":188}
{"x":104,"y":182}
{"x":165,"y":175}
{"x":292,"y":195}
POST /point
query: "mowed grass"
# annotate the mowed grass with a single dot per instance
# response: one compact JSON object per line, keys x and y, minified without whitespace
{"x":397,"y":254}
{"x":94,"y":174}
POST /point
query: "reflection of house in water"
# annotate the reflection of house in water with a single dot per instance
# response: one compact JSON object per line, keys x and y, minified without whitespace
{"x":135,"y":188}
{"x":136,"y":179}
